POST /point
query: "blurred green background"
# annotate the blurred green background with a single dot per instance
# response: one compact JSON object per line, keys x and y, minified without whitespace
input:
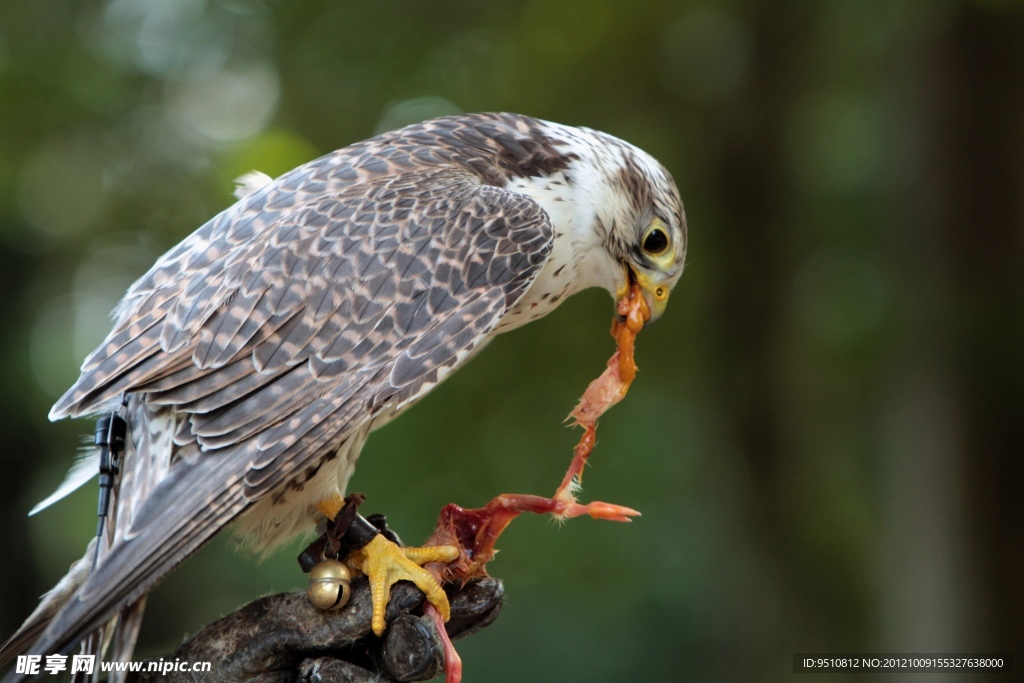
{"x":826,"y":436}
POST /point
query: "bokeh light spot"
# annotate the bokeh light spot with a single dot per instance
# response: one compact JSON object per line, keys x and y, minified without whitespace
{"x":227,"y":105}
{"x":165,"y":37}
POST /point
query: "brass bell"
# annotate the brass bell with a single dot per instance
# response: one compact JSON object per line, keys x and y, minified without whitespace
{"x":330,"y":585}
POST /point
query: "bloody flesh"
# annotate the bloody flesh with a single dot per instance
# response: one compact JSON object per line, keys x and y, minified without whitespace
{"x":475,"y":531}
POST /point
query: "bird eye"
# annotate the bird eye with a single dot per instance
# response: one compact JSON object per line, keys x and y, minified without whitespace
{"x":656,"y":241}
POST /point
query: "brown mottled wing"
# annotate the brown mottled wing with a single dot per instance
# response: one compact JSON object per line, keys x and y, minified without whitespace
{"x":286,"y":323}
{"x":236,"y":324}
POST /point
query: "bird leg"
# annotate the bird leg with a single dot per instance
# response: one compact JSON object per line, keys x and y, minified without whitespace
{"x":609,"y":388}
{"x":380,"y":558}
{"x":385,"y":563}
{"x":474,"y":532}
{"x":330,"y":507}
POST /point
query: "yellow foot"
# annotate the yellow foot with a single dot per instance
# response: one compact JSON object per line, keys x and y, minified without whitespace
{"x":385,"y":564}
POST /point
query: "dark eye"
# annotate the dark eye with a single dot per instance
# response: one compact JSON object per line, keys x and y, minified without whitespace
{"x":656,"y":242}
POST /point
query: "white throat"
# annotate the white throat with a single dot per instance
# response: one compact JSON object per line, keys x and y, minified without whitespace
{"x":578,"y":201}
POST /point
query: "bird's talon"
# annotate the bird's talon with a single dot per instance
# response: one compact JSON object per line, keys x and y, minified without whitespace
{"x":385,"y":563}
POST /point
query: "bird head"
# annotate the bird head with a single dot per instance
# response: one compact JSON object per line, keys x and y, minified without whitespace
{"x":616,"y":212}
{"x":639,"y":214}
{"x":651,"y":243}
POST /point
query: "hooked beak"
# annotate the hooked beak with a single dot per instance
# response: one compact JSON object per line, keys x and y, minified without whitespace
{"x":655,"y":294}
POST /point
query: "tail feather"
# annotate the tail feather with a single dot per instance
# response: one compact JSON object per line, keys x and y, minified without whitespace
{"x":167,"y":534}
{"x":121,"y":632}
{"x":49,"y":605}
{"x":125,"y":635}
{"x":148,"y":451}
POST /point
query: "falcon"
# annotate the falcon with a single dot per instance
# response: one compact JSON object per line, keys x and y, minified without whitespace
{"x":254,"y":358}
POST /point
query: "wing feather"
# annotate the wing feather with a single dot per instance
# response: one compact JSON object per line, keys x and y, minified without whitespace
{"x":223,"y":328}
{"x":284,"y":325}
